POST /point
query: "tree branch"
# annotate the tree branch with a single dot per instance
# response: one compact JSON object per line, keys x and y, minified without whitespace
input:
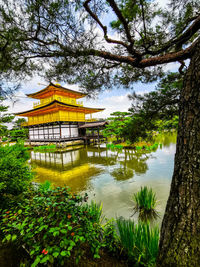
{"x":148,"y":62}
{"x":181,"y":39}
{"x":104,"y":28}
{"x":126,"y":28}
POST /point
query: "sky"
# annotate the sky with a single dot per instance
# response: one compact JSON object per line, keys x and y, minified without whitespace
{"x":111,"y":100}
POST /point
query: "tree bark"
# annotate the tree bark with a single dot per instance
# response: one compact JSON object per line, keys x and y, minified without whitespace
{"x":180,"y":231}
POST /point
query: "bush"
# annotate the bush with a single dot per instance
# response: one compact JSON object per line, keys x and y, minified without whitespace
{"x":53,"y":225}
{"x":140,"y":241}
{"x":15,"y":172}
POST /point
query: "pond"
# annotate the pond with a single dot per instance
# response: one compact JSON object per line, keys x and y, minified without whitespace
{"x":111,"y":177}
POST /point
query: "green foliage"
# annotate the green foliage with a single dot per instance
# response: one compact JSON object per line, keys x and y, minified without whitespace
{"x":4,"y":118}
{"x":53,"y":225}
{"x":140,"y":241}
{"x":161,"y":103}
{"x":146,"y":31}
{"x":145,"y":199}
{"x":15,"y":172}
{"x":117,"y":125}
{"x":110,"y":237}
{"x":94,"y":209}
{"x":145,"y":203}
{"x":114,"y":147}
{"x":148,"y":147}
{"x":162,"y":125}
{"x":47,"y":148}
{"x":156,"y":110}
{"x":18,"y":132}
{"x":45,"y":186}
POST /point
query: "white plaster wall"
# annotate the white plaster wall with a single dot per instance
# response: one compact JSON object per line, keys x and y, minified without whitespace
{"x":64,"y":132}
{"x":74,"y":132}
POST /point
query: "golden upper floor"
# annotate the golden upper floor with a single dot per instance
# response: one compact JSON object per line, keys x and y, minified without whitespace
{"x":63,"y":99}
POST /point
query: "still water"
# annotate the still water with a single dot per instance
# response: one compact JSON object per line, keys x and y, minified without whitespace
{"x":111,"y":177}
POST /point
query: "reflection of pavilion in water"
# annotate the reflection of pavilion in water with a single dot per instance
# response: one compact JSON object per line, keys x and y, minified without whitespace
{"x":63,"y":169}
{"x":75,"y":168}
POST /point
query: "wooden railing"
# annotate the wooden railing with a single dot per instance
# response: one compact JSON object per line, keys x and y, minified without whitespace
{"x":55,"y":120}
{"x":69,"y":101}
{"x":90,"y":120}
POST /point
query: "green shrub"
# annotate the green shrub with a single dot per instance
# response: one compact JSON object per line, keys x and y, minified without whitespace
{"x":140,"y":241}
{"x":15,"y":172}
{"x":53,"y":225}
{"x":45,"y":186}
{"x":110,"y":237}
{"x":114,"y":147}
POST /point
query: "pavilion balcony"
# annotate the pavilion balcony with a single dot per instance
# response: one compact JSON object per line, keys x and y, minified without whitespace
{"x":90,"y":120}
{"x":62,"y":119}
{"x":61,"y":99}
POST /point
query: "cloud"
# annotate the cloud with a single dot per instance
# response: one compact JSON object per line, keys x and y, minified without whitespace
{"x":111,"y":104}
{"x":19,"y":102}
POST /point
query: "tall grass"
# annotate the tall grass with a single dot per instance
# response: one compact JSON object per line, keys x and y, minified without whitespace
{"x":139,"y":240}
{"x":145,"y":199}
{"x":96,"y":210}
{"x":145,"y":203}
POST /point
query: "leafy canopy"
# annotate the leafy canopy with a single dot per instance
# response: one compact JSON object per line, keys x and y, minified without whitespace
{"x":96,"y":43}
{"x":117,"y":124}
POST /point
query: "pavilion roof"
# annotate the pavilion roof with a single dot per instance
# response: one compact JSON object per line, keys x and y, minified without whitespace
{"x":51,"y":88}
{"x":94,"y":124}
{"x":55,"y":106}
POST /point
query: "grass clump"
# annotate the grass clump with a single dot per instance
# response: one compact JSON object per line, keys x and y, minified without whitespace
{"x":47,"y":148}
{"x":145,"y":203}
{"x":140,"y":241}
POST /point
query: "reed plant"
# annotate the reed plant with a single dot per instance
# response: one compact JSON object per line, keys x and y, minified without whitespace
{"x":96,"y":210}
{"x":145,"y":203}
{"x":139,"y":240}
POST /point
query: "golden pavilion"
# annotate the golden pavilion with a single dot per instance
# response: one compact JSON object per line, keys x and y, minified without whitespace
{"x":58,"y":115}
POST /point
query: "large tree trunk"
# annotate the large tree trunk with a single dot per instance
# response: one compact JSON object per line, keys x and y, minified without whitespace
{"x":180,"y":231}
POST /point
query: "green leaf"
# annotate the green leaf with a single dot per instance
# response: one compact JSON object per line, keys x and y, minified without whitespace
{"x":32,"y":252}
{"x":96,"y":256}
{"x":19,"y":211}
{"x":55,"y":254}
{"x":56,"y":233}
{"x":8,"y":237}
{"x":35,"y":263}
{"x":45,"y":259}
{"x":63,"y":231}
{"x":63,"y":253}
{"x":14,"y":237}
